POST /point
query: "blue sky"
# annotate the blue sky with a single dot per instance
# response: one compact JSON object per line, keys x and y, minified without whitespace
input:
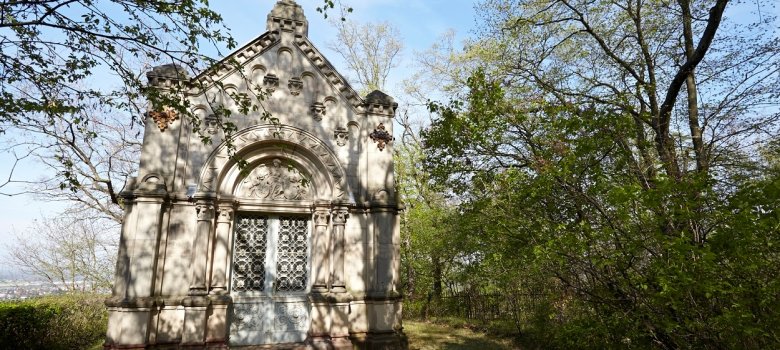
{"x":419,"y":22}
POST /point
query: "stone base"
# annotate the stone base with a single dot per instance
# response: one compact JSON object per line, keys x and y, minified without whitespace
{"x":363,"y":341}
{"x":171,"y":346}
{"x":380,"y":341}
{"x":293,"y":346}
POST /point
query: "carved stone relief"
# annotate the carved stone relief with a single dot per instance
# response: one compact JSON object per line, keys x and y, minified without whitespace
{"x":341,"y":135}
{"x":270,"y":82}
{"x":246,"y":317}
{"x":276,"y":181}
{"x":317,"y":110}
{"x":381,"y":137}
{"x":295,"y":136}
{"x":164,"y":118}
{"x":210,"y":124}
{"x":295,"y":85}
{"x":290,"y":317}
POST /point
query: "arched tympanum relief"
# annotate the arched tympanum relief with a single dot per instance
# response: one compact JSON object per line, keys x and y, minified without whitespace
{"x":305,"y":162}
{"x":275,"y":180}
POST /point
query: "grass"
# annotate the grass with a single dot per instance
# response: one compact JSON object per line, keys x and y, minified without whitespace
{"x":431,"y":336}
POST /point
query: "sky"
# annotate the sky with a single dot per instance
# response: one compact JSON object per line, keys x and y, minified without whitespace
{"x":420,"y":23}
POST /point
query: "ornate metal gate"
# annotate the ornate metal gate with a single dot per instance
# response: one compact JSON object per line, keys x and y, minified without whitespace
{"x":270,"y":279}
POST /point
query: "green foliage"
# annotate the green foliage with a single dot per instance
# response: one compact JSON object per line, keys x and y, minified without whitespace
{"x":330,"y":5}
{"x":550,"y":202}
{"x":73,"y":321}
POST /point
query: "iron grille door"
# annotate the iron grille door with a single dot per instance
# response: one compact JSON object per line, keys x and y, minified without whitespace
{"x":249,"y":253}
{"x":291,"y":254}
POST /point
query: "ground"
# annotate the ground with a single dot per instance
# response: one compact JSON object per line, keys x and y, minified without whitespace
{"x":430,"y":336}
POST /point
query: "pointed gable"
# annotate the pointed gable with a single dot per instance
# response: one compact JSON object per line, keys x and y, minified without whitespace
{"x":283,"y":58}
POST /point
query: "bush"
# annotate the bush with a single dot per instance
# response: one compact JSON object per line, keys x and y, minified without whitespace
{"x":74,"y":321}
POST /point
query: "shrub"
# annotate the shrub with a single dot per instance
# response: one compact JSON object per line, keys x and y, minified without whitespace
{"x":74,"y":321}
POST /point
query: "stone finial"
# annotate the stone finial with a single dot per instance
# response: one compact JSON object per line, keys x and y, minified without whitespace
{"x":287,"y":16}
{"x":378,"y":102}
{"x":167,"y":74}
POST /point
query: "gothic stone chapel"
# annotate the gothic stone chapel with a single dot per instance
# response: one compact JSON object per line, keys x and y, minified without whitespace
{"x":297,"y":249}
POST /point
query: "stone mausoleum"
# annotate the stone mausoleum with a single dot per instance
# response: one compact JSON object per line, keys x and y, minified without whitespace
{"x":299,"y":247}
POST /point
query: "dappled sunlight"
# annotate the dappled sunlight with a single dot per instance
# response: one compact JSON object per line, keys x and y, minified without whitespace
{"x":430,"y":336}
{"x":288,"y":233}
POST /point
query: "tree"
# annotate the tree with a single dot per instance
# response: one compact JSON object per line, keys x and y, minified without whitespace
{"x":96,"y":158}
{"x":76,"y":252}
{"x":83,"y":133}
{"x":47,"y":46}
{"x":611,"y":188}
{"x":370,"y":51}
{"x":53,"y":50}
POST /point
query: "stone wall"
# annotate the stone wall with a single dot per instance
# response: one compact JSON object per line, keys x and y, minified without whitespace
{"x":299,"y":248}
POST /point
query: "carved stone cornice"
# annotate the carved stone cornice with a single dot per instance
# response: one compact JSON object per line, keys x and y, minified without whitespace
{"x":377,"y":102}
{"x":287,"y":16}
{"x":330,"y":73}
{"x":240,"y":56}
{"x":167,"y":76}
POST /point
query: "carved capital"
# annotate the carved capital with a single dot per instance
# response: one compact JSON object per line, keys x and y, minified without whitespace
{"x":205,"y":211}
{"x":225,"y":214}
{"x":340,"y":216}
{"x":321,"y":218}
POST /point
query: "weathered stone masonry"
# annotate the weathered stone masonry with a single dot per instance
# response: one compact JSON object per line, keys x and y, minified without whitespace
{"x":298,"y":250}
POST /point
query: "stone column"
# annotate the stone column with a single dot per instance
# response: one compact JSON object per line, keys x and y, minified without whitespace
{"x":321,"y":251}
{"x":199,"y":255}
{"x":221,"y":238}
{"x":337,"y":280}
